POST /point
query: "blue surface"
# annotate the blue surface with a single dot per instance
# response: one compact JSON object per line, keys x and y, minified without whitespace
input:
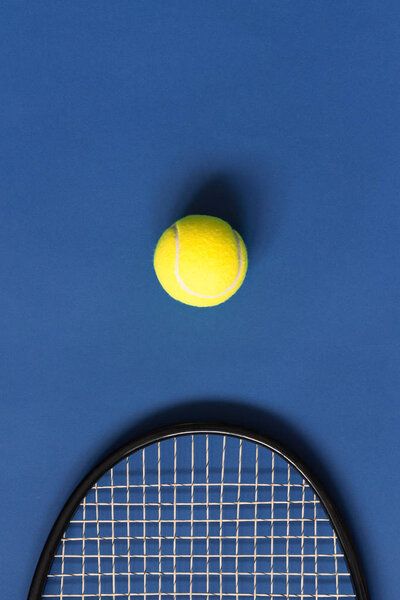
{"x":118,"y":118}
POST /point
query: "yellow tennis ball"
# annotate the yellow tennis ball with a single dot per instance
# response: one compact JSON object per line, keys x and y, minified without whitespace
{"x":200,"y":260}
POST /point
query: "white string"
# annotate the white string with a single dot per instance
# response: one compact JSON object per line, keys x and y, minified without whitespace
{"x":336,"y":565}
{"x":200,"y":537}
{"x":98,"y":539}
{"x":221,"y":497}
{"x":316,"y":552}
{"x":112,"y":531}
{"x":202,"y":595}
{"x":259,"y":572}
{"x":159,"y":516}
{"x":144,"y":522}
{"x":243,"y":503}
{"x":128,"y":528}
{"x":83,"y":544}
{"x":237,"y":521}
{"x":199,"y":484}
{"x":249,"y":574}
{"x":174,"y":543}
{"x":191,"y":518}
{"x":303,"y":492}
{"x":287,"y":529}
{"x":272,"y":521}
{"x":231,"y":520}
{"x":255,"y":525}
{"x":62,"y":567}
{"x":208,"y":519}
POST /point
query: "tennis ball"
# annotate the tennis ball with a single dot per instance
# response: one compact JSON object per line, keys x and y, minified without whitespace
{"x":200,"y":260}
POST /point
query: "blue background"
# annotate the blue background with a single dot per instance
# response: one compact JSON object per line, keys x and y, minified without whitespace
{"x":119,"y":117}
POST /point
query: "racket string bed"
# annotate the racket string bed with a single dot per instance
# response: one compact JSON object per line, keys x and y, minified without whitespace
{"x":195,"y":517}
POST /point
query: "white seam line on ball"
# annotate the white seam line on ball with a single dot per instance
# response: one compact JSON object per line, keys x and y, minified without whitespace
{"x":183,"y":284}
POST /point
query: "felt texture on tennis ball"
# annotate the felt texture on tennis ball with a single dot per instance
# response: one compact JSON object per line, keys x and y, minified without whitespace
{"x":200,"y":260}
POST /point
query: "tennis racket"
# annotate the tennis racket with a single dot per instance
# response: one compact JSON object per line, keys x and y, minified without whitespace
{"x":199,"y":512}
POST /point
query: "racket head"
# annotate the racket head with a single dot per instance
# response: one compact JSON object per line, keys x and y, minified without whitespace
{"x":276,"y":484}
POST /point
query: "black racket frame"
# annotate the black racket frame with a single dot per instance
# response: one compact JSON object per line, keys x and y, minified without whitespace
{"x":66,"y":514}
